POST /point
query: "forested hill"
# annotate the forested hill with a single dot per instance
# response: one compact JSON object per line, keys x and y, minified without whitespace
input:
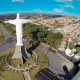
{"x":9,"y":16}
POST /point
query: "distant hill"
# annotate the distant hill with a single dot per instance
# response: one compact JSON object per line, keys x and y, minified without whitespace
{"x":33,"y":16}
{"x":29,"y":16}
{"x":45,"y":16}
{"x":9,"y":16}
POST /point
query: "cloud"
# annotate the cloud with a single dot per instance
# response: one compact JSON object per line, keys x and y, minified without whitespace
{"x":41,"y":11}
{"x":67,"y":6}
{"x":44,"y":11}
{"x":58,"y":10}
{"x":37,"y":10}
{"x":17,"y":1}
{"x":64,"y":0}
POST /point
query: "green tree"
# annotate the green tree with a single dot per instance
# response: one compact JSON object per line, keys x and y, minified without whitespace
{"x":54,"y":39}
{"x":49,"y":38}
{"x":35,"y":32}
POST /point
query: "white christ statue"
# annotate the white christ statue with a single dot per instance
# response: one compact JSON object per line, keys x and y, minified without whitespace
{"x":19,"y":45}
{"x":18,"y":22}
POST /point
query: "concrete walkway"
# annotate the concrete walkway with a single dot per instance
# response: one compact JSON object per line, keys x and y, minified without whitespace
{"x":1,"y":78}
{"x":26,"y":75}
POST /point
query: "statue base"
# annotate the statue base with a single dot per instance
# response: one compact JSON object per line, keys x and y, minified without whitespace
{"x":20,"y":52}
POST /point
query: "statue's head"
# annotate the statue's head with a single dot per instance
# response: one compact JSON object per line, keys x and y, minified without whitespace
{"x":18,"y":16}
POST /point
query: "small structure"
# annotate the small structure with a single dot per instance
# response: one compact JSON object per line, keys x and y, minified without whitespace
{"x":69,"y":52}
{"x":19,"y":49}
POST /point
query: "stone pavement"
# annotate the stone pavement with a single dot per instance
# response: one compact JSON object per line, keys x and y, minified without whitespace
{"x":1,"y":78}
{"x":26,"y":75}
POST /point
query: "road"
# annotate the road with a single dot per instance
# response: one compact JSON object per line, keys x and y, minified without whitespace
{"x":8,"y":43}
{"x":56,"y":62}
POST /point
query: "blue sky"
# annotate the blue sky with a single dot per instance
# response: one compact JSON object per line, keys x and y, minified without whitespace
{"x":62,"y":7}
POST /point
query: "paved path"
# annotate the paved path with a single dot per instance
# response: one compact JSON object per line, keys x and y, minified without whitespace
{"x":26,"y":75}
{"x":1,"y":78}
{"x":8,"y":43}
{"x":56,"y":62}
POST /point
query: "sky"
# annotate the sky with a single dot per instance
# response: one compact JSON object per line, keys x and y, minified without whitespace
{"x":58,"y":7}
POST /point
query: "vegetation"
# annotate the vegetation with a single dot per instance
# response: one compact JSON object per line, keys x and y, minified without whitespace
{"x":10,"y":28}
{"x":57,"y":24}
{"x":71,"y":45}
{"x":38,"y":34}
{"x":17,"y":62}
{"x":78,"y":49}
{"x":1,"y":37}
{"x":54,"y":39}
{"x":43,"y":63}
{"x":35,"y":32}
{"x":9,"y":75}
{"x":5,"y":73}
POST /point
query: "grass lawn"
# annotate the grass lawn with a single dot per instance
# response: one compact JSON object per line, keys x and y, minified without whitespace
{"x":9,"y":28}
{"x":78,"y":49}
{"x":1,"y":37}
{"x":5,"y":73}
{"x":17,"y":62}
{"x":10,"y":75}
{"x":43,"y":61}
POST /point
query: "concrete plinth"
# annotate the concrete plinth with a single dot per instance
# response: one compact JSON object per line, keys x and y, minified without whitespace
{"x":20,"y":52}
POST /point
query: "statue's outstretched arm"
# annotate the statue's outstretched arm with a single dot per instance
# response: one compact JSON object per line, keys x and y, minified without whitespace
{"x":26,"y":21}
{"x":11,"y":22}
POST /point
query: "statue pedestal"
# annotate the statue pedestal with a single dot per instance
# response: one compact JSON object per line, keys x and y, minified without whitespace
{"x":20,"y":52}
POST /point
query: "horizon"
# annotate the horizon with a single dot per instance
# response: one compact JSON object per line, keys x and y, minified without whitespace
{"x":38,"y":13}
{"x":53,"y":7}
